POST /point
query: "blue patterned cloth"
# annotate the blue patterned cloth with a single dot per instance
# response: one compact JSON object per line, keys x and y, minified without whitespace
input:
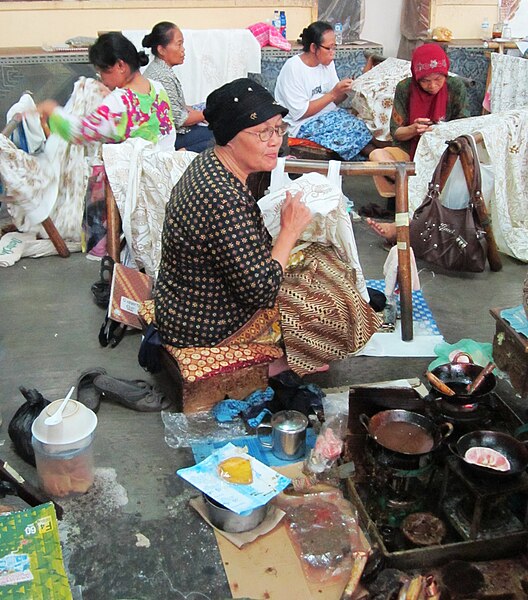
{"x":227,"y":410}
{"x":422,"y":315}
{"x":339,"y":131}
{"x":516,"y":317}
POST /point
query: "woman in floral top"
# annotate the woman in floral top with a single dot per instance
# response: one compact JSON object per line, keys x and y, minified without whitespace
{"x":136,"y":106}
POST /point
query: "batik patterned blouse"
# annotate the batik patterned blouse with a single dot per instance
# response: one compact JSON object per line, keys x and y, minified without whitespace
{"x":216,"y":268}
{"x":160,"y":71}
{"x":122,"y":114}
{"x":457,"y":106}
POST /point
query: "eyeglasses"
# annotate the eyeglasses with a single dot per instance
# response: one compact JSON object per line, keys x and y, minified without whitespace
{"x":329,"y":48}
{"x":266,"y":134}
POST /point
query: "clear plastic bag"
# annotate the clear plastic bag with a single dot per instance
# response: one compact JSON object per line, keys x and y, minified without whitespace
{"x":324,"y":530}
{"x":328,"y":445}
{"x":183,"y":431}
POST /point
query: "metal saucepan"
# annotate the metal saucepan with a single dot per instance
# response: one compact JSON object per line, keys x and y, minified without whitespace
{"x":514,"y":450}
{"x":458,"y":376}
{"x":405,"y":432}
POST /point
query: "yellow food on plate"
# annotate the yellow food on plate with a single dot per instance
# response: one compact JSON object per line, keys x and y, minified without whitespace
{"x":236,"y":470}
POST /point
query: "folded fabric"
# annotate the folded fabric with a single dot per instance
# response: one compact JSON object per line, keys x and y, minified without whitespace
{"x":32,"y":129}
{"x":390,"y":270}
{"x":12,"y":246}
{"x":267,"y":35}
{"x":253,"y":408}
{"x":516,"y":317}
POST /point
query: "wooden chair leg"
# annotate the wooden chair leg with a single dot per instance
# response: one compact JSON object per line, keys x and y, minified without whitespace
{"x":56,"y":238}
{"x":113,"y":224}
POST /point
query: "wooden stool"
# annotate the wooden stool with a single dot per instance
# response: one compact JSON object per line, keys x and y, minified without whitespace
{"x":510,"y":352}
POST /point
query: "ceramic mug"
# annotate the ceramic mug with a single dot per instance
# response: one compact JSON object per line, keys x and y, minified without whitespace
{"x":288,"y":434}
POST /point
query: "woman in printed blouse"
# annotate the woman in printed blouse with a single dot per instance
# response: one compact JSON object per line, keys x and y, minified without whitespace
{"x":135,"y":107}
{"x":218,"y":266}
{"x":308,"y":86}
{"x":430,"y":96}
{"x":166,"y":43}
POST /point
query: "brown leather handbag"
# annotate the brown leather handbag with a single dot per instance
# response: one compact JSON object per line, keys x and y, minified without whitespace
{"x":453,"y":239}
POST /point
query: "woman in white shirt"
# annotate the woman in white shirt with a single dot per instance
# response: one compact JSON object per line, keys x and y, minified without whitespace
{"x":309,"y":87}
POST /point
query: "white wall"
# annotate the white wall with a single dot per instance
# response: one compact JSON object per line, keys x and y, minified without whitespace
{"x":382,"y":24}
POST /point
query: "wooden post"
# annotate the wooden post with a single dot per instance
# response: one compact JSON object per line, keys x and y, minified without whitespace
{"x":113,"y":224}
{"x":56,"y":238}
{"x":403,"y":243}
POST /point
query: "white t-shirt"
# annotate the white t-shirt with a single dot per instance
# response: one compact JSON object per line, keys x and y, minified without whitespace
{"x":298,"y":84}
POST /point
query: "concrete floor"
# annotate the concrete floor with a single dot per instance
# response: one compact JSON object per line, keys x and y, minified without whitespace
{"x":49,"y":333}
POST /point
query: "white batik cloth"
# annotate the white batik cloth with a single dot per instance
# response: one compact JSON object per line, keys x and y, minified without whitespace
{"x":505,"y":138}
{"x":142,"y":179}
{"x":331,"y":224}
{"x":52,"y":183}
{"x":509,"y":83}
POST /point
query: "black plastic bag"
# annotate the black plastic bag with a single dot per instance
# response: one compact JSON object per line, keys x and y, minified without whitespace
{"x":19,"y":429}
{"x":149,"y":356}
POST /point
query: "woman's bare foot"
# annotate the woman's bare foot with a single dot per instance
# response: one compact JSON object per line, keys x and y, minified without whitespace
{"x":384,"y":230}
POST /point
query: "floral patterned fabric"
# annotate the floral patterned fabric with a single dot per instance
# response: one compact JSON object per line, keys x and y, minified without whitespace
{"x":52,"y":183}
{"x":373,"y":94}
{"x":142,"y":179}
{"x":238,"y":352}
{"x":505,"y":138}
{"x":339,"y":131}
{"x":509,"y":82}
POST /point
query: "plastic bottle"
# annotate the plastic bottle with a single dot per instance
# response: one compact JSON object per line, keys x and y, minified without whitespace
{"x":338,"y":30}
{"x":283,"y":23}
{"x":276,"y":20}
{"x":485,"y":29}
{"x":506,"y":31}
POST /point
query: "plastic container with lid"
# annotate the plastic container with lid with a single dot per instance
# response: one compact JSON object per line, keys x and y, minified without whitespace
{"x":64,"y":452}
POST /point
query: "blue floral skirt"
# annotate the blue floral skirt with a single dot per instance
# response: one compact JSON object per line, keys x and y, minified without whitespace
{"x":339,"y":131}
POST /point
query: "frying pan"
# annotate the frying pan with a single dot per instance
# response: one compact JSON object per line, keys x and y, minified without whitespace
{"x":515,"y":451}
{"x":405,"y":432}
{"x":458,"y":376}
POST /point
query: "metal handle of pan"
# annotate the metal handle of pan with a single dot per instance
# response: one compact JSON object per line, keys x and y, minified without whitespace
{"x":365,"y":421}
{"x":473,"y":387}
{"x":446,"y":429}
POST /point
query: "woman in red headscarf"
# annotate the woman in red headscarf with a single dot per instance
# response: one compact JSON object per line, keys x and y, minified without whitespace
{"x":431,"y":95}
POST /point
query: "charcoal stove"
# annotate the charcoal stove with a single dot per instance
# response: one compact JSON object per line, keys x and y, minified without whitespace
{"x":480,"y":523}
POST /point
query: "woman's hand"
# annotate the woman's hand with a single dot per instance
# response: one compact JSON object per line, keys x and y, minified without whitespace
{"x":295,"y":217}
{"x":416,"y":129}
{"x":421,"y":125}
{"x":341,"y":89}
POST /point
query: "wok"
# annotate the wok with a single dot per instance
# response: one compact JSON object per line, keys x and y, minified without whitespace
{"x":458,"y":376}
{"x":405,"y":432}
{"x":514,"y":450}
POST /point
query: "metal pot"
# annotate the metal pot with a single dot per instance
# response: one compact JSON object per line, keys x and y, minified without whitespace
{"x":514,"y":450}
{"x":225,"y":519}
{"x":405,"y":432}
{"x":458,"y":376}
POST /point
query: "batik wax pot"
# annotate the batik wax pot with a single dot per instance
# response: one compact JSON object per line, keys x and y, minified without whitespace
{"x":64,"y":452}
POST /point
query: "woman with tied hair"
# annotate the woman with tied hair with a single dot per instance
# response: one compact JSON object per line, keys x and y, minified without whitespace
{"x":135,"y":106}
{"x":308,"y":86}
{"x":166,"y":43}
{"x":429,"y":96}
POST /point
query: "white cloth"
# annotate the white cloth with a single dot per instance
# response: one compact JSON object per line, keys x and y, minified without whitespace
{"x":372,"y":94}
{"x":52,"y":183}
{"x":509,"y":82}
{"x":35,"y":137}
{"x":390,"y":270}
{"x":505,"y":138}
{"x":331,"y":224}
{"x":212,"y":57}
{"x":298,"y":84}
{"x":142,"y":179}
{"x":15,"y":245}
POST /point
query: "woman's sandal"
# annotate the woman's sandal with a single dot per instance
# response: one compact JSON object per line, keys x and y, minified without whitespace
{"x":143,"y":398}
{"x":101,"y":289}
{"x":87,"y":394}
